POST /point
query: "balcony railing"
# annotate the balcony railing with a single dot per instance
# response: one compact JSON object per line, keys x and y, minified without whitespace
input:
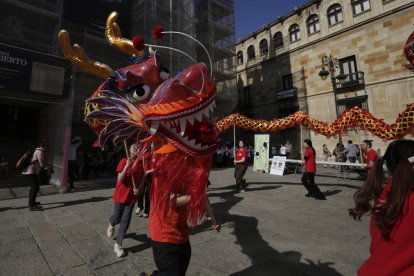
{"x":350,"y":81}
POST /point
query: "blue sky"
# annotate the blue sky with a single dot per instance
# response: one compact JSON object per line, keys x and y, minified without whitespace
{"x":251,"y":15}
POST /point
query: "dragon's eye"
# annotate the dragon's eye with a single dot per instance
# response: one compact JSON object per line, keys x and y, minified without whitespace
{"x":139,"y":93}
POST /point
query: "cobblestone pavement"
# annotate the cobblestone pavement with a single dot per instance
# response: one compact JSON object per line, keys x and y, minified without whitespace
{"x":271,"y":229}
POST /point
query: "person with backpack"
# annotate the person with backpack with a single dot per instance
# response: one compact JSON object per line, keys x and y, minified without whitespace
{"x":33,"y":165}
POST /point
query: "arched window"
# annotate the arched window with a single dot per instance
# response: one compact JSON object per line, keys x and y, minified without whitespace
{"x":313,"y":24}
{"x":264,"y":48}
{"x":360,"y":6}
{"x":250,"y":52}
{"x":294,"y":33}
{"x":334,"y":14}
{"x":278,"y":40}
{"x":239,"y":58}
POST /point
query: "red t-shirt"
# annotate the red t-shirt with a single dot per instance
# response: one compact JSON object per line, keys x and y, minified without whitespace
{"x":124,"y":191}
{"x":370,"y":155}
{"x":171,"y":227}
{"x":310,"y":163}
{"x":240,"y":153}
{"x":395,"y":257}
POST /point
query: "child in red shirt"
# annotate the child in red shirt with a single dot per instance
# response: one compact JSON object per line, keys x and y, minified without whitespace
{"x":124,"y":198}
{"x":392,"y":215}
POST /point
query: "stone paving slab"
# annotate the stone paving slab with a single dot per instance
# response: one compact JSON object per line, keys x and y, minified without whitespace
{"x":83,"y":270}
{"x":60,"y":255}
{"x":96,"y":252}
{"x":28,"y":265}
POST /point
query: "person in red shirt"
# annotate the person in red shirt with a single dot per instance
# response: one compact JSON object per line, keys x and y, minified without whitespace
{"x":392,"y":214}
{"x":240,"y":162}
{"x":308,"y":177}
{"x":177,"y":196}
{"x":370,"y":155}
{"x":124,"y":197}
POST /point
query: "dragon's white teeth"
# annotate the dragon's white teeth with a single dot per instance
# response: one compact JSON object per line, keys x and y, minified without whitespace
{"x":211,"y":107}
{"x":191,"y":142}
{"x":183,"y":124}
{"x":214,"y":104}
{"x":206,"y":112}
{"x":199,"y":116}
{"x":154,"y":127}
{"x":190,"y":119}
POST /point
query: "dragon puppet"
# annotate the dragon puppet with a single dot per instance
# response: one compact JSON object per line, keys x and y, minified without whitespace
{"x":141,"y":101}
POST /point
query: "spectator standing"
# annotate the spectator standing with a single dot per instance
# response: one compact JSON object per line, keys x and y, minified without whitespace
{"x":326,"y":154}
{"x":90,"y":165}
{"x":33,"y":173}
{"x":288,"y":146}
{"x":74,"y":145}
{"x":308,"y":177}
{"x":282,"y":150}
{"x":273,"y":150}
{"x":352,"y":152}
{"x":370,"y":155}
{"x":391,"y":210}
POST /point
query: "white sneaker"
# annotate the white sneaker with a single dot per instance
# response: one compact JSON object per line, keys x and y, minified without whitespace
{"x":110,"y":231}
{"x":118,"y":250}
{"x":137,"y":211}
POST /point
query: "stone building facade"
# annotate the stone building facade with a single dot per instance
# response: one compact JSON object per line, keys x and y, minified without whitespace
{"x":279,"y":66}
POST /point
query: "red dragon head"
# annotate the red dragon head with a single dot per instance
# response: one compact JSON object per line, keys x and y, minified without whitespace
{"x":142,"y":100}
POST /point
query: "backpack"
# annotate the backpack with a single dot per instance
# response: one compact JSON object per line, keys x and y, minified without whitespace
{"x":25,"y":161}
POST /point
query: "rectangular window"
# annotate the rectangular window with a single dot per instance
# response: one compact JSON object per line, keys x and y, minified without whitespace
{"x":360,"y":6}
{"x":349,"y":68}
{"x":287,"y":82}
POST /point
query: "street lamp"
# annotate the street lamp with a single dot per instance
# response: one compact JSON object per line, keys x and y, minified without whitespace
{"x":332,"y":63}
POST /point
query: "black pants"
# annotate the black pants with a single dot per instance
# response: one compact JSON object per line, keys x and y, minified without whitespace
{"x":145,"y":195}
{"x":308,"y":180}
{"x":239,"y":172}
{"x":71,"y":173}
{"x":122,"y":214}
{"x":33,"y":181}
{"x":352,"y":159}
{"x":171,"y":259}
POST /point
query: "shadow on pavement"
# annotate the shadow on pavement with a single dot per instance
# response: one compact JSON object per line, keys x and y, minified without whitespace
{"x":61,"y":204}
{"x":143,"y":238}
{"x":233,"y":186}
{"x":265,"y":259}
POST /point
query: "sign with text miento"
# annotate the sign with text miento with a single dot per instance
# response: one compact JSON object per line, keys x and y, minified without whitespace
{"x":278,"y":165}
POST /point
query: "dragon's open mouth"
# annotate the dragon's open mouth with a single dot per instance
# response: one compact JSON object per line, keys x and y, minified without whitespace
{"x":191,"y":129}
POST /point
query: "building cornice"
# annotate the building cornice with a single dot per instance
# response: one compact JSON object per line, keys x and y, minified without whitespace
{"x":370,"y":20}
{"x":280,"y":19}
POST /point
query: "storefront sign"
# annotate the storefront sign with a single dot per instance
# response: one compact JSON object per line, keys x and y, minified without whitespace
{"x":25,"y":71}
